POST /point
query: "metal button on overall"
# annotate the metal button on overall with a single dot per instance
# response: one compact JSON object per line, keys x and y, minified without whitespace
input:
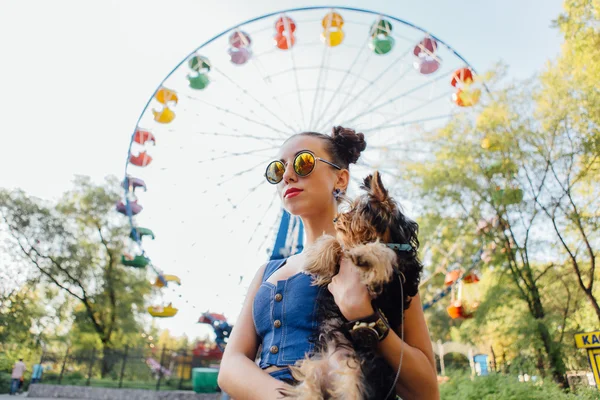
{"x":277,"y":323}
{"x":274,"y":349}
{"x":278,"y":297}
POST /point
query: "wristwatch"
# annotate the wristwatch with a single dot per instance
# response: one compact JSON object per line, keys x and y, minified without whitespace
{"x":368,"y":331}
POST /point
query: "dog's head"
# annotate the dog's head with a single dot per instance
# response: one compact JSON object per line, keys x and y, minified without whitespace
{"x":375,"y":216}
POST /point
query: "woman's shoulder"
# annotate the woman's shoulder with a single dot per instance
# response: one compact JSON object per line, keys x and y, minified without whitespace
{"x":272,"y":266}
{"x":266,"y":269}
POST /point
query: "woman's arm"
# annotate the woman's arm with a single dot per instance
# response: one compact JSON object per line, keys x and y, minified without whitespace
{"x":239,"y":376}
{"x":418,"y":376}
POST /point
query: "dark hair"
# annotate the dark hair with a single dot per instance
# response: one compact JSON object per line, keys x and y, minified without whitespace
{"x":344,"y":145}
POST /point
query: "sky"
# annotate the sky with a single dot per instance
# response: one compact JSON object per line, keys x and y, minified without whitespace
{"x":77,"y":74}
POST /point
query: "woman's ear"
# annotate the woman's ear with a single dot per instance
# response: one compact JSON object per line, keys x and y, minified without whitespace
{"x":343,"y":179}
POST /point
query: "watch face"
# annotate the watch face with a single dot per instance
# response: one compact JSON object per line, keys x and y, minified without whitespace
{"x":365,"y":337}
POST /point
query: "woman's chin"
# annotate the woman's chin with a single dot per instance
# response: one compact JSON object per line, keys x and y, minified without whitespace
{"x":297,"y":208}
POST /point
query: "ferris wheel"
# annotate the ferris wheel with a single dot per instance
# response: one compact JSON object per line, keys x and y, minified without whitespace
{"x":195,"y":164}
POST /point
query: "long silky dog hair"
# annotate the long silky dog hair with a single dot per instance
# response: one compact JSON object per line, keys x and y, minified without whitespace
{"x":340,"y":369}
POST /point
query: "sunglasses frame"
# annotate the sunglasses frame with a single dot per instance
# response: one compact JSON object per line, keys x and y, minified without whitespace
{"x":294,"y":163}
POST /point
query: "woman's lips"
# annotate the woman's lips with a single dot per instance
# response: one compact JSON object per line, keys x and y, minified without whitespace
{"x":292,"y":192}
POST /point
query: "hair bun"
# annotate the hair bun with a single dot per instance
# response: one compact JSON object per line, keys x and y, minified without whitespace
{"x":348,"y":143}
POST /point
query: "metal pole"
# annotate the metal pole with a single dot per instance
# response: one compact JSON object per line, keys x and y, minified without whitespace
{"x":91,"y":367}
{"x":62,"y":371}
{"x":123,"y":366}
{"x":162,"y":360}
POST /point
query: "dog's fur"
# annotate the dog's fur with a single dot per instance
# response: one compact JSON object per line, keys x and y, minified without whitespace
{"x":338,"y":369}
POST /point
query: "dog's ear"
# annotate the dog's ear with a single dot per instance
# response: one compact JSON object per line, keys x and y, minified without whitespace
{"x":377,"y":190}
{"x":367,"y":183}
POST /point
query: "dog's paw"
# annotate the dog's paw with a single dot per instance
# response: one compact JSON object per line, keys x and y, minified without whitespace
{"x":375,"y":261}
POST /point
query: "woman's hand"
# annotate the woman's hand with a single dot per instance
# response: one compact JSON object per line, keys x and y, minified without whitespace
{"x":349,"y":293}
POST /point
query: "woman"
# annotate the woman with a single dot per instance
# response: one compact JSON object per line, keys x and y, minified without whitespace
{"x":278,"y":312}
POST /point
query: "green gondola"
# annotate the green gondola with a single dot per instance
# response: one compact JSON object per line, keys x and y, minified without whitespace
{"x":136,"y":262}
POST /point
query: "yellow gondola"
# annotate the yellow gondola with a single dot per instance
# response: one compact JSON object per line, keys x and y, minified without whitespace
{"x":168,"y":278}
{"x":162,"y":312}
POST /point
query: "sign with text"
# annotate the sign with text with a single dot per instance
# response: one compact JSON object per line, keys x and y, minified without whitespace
{"x":589,"y":340}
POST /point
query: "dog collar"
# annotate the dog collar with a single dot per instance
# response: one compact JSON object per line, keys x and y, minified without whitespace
{"x":399,"y":246}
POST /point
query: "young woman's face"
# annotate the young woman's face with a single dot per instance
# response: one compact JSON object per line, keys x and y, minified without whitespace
{"x":311,"y":194}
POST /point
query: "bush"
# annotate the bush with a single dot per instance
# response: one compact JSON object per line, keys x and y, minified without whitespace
{"x":4,"y":382}
{"x":503,"y":387}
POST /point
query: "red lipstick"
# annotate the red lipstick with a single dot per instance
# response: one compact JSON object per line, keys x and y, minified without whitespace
{"x":292,"y":192}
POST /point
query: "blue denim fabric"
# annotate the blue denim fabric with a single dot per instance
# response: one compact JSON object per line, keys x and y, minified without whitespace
{"x":296,"y":312}
{"x":283,"y":375}
{"x":14,"y":386}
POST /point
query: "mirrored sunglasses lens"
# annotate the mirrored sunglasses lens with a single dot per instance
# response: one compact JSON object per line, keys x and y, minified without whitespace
{"x":275,"y":172}
{"x":304,"y":164}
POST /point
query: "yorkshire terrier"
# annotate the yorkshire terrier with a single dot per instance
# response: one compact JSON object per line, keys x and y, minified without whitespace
{"x":339,"y":369}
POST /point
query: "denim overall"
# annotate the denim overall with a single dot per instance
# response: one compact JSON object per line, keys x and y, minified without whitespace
{"x":284,"y":318}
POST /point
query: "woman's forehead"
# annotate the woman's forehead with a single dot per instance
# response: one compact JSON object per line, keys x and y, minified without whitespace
{"x":301,"y":142}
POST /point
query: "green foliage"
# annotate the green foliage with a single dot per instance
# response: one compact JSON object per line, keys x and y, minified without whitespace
{"x":571,"y":82}
{"x":505,"y":387}
{"x":20,"y":310}
{"x":74,"y":248}
{"x":4,"y":382}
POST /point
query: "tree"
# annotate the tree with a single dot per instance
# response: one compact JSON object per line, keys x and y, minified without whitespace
{"x":568,"y":169}
{"x":578,"y":70}
{"x":477,"y":174}
{"x":20,"y":314}
{"x":75,"y":245}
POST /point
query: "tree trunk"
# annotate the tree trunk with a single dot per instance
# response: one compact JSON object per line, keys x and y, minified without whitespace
{"x":590,"y":295}
{"x":540,"y":361}
{"x":557,"y":364}
{"x":108,"y":359}
{"x":553,"y":351}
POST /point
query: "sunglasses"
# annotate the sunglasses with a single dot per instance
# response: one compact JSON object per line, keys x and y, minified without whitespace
{"x":304,"y":164}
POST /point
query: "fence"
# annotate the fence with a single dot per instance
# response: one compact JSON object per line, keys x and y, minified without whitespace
{"x":133,"y":368}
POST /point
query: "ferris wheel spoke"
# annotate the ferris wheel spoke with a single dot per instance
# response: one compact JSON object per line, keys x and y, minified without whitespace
{"x":261,"y":104}
{"x":235,"y":206}
{"x":341,"y":84}
{"x":393,"y":99}
{"x":424,"y":104}
{"x":349,"y":94}
{"x":240,"y":173}
{"x":291,"y":51}
{"x":244,"y":117}
{"x":386,"y":89}
{"x":399,"y":124}
{"x":267,"y":82}
{"x":237,"y":154}
{"x":368,"y":86}
{"x":314,"y":105}
{"x":310,"y":90}
{"x":371,"y":168}
{"x":263,"y":216}
{"x":400,"y":147}
{"x":231,"y":135}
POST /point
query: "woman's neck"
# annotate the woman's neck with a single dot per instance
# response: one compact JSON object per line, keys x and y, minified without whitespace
{"x":317,"y":225}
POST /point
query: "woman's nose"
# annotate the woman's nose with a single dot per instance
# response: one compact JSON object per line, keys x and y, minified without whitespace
{"x":289,"y":175}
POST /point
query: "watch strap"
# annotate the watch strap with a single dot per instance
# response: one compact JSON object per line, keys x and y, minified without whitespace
{"x":377,"y":322}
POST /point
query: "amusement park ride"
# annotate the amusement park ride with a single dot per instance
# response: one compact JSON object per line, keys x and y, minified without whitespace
{"x":410,"y":80}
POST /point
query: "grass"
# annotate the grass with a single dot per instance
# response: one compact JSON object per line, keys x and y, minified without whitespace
{"x":506,"y":387}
